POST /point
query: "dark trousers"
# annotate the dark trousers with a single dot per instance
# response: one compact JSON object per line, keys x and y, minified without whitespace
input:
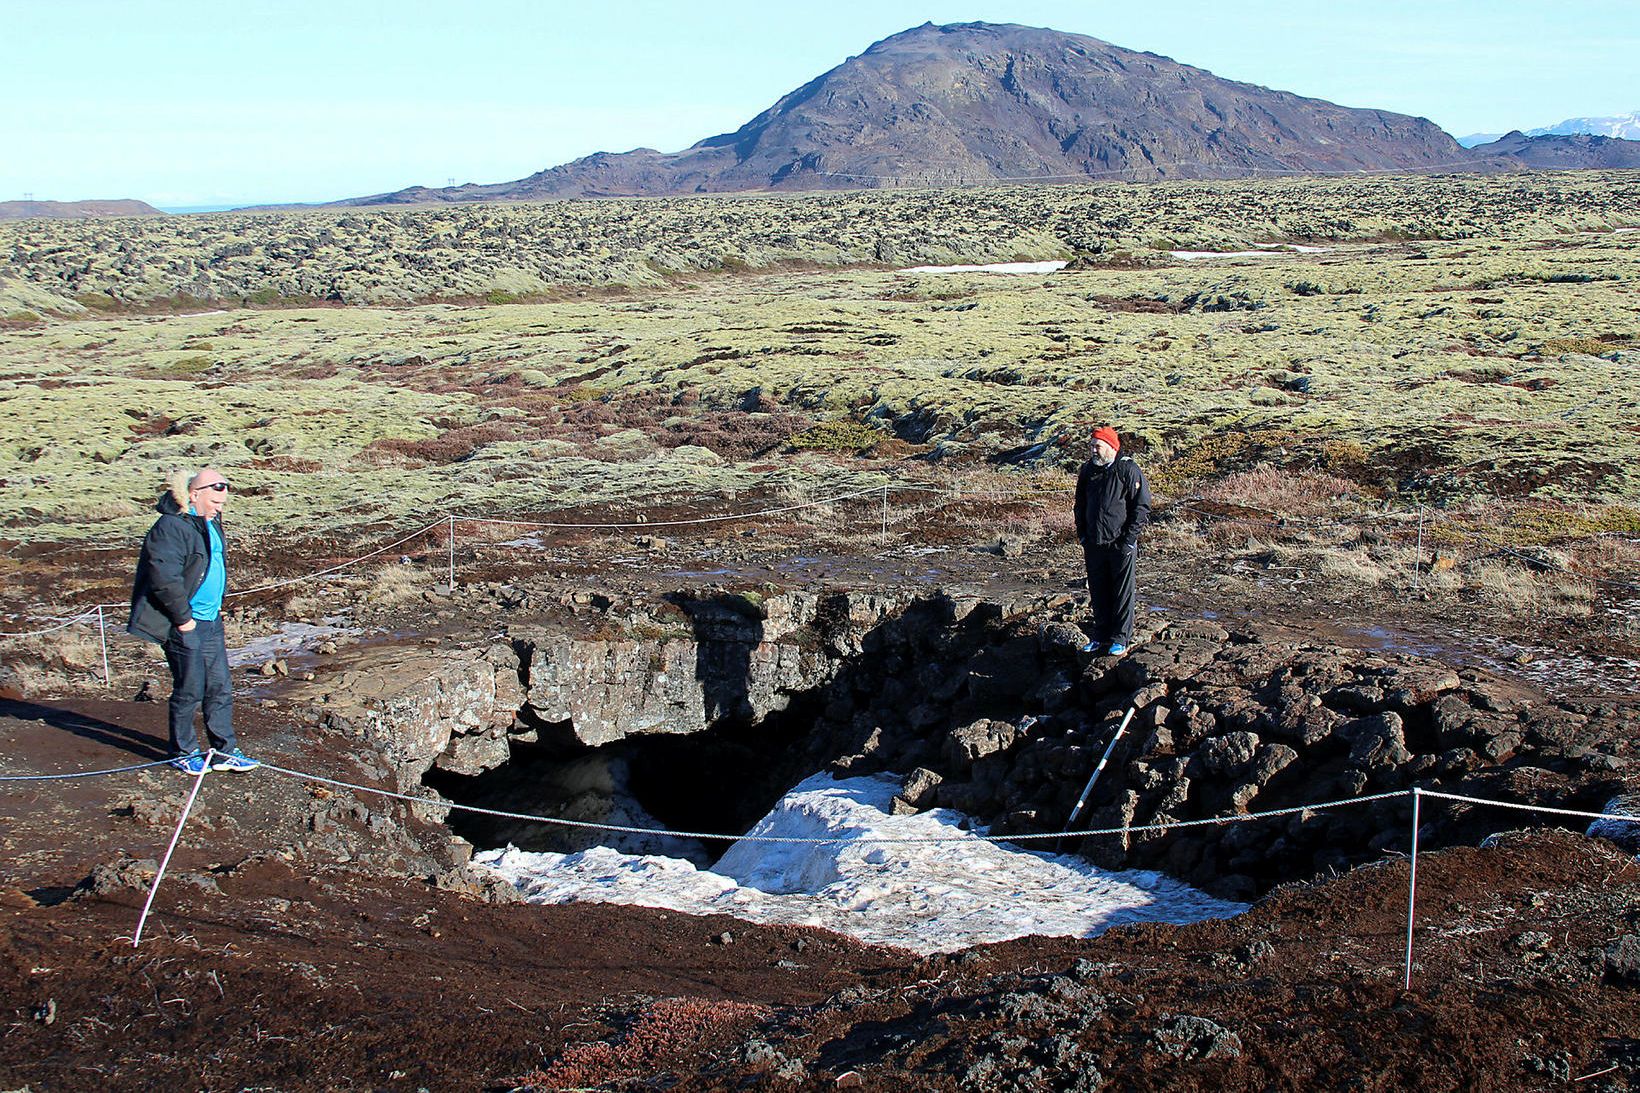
{"x":1113,"y":591}
{"x":199,"y":677}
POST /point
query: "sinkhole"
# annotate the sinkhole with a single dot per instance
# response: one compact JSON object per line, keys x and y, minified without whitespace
{"x":717,"y":782}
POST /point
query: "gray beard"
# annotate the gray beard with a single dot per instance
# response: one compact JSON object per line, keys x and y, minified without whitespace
{"x":1101,"y":461}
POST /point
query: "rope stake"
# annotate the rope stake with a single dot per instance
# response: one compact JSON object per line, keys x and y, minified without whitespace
{"x":102,"y":636}
{"x":1412,"y":887}
{"x":1103,"y":759}
{"x":199,"y":780}
{"x":1418,"y":555}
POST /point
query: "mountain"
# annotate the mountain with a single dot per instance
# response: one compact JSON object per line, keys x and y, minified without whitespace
{"x":73,"y":210}
{"x":1626,"y":126}
{"x":1563,"y":153}
{"x":981,"y":102}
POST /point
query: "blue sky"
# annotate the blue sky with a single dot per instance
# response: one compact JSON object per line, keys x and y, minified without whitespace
{"x":236,"y":101}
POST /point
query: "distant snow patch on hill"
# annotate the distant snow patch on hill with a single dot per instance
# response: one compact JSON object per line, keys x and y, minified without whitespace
{"x":1626,"y":126}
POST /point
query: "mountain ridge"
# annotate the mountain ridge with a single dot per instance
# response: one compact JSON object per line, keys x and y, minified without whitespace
{"x":75,"y":210}
{"x":981,"y":103}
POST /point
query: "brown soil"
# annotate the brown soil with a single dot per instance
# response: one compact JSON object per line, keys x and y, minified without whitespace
{"x":275,"y":961}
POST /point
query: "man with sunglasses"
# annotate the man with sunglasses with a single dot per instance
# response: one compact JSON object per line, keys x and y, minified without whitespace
{"x":176,"y":602}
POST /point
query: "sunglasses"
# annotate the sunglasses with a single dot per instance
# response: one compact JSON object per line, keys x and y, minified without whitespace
{"x":219,"y":487}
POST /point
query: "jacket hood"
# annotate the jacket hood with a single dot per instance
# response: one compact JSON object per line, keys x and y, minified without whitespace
{"x":169,"y":505}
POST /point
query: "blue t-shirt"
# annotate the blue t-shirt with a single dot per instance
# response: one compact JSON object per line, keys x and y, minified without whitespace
{"x":206,"y":604}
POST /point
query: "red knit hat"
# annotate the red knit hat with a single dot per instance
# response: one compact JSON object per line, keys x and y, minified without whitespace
{"x":1108,"y":435}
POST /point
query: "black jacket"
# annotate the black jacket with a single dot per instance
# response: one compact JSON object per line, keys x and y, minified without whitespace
{"x":176,"y":554}
{"x":1112,"y":503}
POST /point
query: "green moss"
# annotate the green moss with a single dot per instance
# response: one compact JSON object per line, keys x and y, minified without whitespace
{"x":1432,"y":399}
{"x":836,"y":436}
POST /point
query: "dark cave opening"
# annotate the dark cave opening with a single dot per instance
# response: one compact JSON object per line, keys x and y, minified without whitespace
{"x":718,"y":782}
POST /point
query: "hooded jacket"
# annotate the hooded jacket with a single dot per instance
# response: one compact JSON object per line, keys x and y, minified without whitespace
{"x":176,"y":555}
{"x":1112,"y":503}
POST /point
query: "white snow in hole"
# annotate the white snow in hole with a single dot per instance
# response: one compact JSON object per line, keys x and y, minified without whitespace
{"x":994,"y":267}
{"x":926,"y":897}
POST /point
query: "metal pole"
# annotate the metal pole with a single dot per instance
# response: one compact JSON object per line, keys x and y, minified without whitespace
{"x":1412,"y":887}
{"x":102,"y":636}
{"x":199,"y":780}
{"x":1418,"y":558}
{"x":1094,"y":777}
{"x":452,"y":581}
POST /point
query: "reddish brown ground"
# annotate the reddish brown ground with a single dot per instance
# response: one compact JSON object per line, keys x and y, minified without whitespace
{"x":267,"y":967}
{"x":273,"y":961}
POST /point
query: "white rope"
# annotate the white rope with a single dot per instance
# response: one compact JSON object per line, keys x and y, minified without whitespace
{"x":63,"y":625}
{"x":82,"y":773}
{"x":340,"y":565}
{"x":674,"y":523}
{"x":95,"y":609}
{"x":718,"y":835}
{"x":1532,"y":808}
{"x":1276,"y":520}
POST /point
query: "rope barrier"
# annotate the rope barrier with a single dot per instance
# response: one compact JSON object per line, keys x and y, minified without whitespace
{"x":80,"y":774}
{"x":1276,"y":521}
{"x":1415,"y":793}
{"x":342,"y":565}
{"x":1532,"y":808}
{"x":872,"y":491}
{"x":720,"y":836}
{"x":63,"y":625}
{"x":955,"y":495}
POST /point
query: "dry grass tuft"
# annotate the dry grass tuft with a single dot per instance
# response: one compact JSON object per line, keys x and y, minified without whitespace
{"x":1520,"y":590}
{"x":396,"y":584}
{"x":1281,"y":491}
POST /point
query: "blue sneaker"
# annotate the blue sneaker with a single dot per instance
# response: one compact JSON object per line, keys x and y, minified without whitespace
{"x":1116,"y":649}
{"x":233,"y":760}
{"x":1091,"y":647}
{"x":190,"y":764}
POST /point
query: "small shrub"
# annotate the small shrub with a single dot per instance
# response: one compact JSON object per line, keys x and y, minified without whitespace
{"x":836,"y":436}
{"x":450,"y":446}
{"x":186,"y":367}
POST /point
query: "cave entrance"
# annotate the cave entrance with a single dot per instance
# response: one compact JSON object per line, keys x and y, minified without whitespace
{"x":720,"y":781}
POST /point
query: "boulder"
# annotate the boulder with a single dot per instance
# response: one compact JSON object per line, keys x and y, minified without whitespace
{"x":1625,"y":833}
{"x":1376,"y":742}
{"x":1224,"y":755}
{"x":1271,"y":760}
{"x":977,"y":740}
{"x":919,"y":787}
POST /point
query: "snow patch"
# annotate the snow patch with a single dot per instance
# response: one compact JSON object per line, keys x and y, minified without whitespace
{"x":993,"y":267}
{"x":924,"y":896}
